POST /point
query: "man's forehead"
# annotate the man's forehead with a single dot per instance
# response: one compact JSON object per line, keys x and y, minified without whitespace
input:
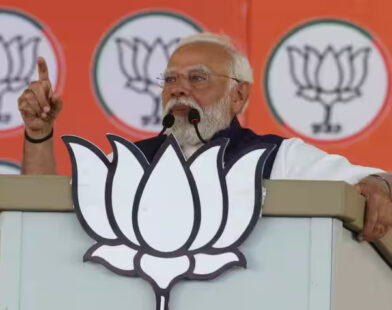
{"x":201,"y":67}
{"x":210,"y":55}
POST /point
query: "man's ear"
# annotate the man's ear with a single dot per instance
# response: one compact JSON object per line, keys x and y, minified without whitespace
{"x":240,"y":96}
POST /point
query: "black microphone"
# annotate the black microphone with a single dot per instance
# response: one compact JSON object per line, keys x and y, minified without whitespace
{"x":194,"y":118}
{"x":167,"y":122}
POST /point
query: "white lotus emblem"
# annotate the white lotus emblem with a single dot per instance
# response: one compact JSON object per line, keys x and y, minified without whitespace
{"x":170,"y":219}
{"x":328,"y":77}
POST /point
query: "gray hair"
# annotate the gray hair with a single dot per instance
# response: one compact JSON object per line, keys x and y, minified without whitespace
{"x":240,"y":67}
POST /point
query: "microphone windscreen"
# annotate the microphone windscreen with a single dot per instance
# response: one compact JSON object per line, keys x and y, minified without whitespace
{"x":193,"y":116}
{"x":168,"y":120}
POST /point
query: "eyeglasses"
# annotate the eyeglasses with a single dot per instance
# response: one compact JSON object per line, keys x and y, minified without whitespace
{"x":196,"y":78}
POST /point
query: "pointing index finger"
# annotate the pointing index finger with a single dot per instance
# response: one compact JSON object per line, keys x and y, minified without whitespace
{"x":43,"y":74}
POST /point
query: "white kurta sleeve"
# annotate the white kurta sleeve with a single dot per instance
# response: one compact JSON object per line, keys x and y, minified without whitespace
{"x":298,"y":160}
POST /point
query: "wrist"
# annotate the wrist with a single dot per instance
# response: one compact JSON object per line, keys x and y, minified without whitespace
{"x":38,"y":133}
{"x":38,"y":140}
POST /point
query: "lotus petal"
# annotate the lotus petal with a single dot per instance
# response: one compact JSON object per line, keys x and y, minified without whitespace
{"x":308,"y":93}
{"x":156,"y":60}
{"x":164,"y":270}
{"x":15,"y":50}
{"x":139,"y":86}
{"x":89,"y":172}
{"x":126,"y":51}
{"x":241,"y":183}
{"x":348,"y":95}
{"x":212,"y":265}
{"x":208,"y":183}
{"x":17,"y":85}
{"x":329,"y":72}
{"x":344,"y":58}
{"x":166,"y":212}
{"x":140,"y":57}
{"x":297,"y":66}
{"x":118,"y":258}
{"x":360,"y":64}
{"x":311,"y":64}
{"x":171,"y":46}
{"x":128,"y":161}
{"x":5,"y":61}
{"x":30,"y":52}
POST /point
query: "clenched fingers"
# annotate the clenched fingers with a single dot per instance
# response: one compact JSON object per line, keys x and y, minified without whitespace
{"x":25,"y":108}
{"x":40,"y":91}
{"x":378,"y":209}
{"x":28,"y":102}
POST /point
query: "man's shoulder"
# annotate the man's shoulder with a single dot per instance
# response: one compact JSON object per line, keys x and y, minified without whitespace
{"x":248,"y":135}
{"x":246,"y":138}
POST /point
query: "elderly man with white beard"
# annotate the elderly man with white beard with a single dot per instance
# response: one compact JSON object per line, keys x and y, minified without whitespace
{"x":206,"y":72}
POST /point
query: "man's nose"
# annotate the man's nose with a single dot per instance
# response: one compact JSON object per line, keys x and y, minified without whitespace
{"x":180,"y":89}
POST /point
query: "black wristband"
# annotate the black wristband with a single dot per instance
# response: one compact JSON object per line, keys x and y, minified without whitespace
{"x":31,"y":140}
{"x":386,"y":183}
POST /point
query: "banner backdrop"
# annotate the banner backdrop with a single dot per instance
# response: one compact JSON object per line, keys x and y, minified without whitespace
{"x":323,"y":73}
{"x":322,"y":68}
{"x":105,"y":58}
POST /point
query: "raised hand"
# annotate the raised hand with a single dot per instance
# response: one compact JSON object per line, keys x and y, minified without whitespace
{"x":38,"y":105}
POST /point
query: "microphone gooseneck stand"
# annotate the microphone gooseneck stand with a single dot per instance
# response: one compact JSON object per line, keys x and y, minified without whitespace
{"x":194,"y":118}
{"x":167,"y":122}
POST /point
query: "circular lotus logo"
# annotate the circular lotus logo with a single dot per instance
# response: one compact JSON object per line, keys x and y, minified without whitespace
{"x":9,"y":167}
{"x":327,"y":80}
{"x":22,"y":39}
{"x":127,"y":64}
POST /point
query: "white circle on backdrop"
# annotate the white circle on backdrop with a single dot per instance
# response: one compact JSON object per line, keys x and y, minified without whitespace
{"x":22,"y":39}
{"x":127,"y":64}
{"x":302,"y":115}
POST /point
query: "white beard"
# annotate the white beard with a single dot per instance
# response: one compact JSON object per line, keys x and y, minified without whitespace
{"x":212,"y":119}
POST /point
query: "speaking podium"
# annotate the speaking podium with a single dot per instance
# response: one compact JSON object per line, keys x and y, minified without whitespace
{"x":302,"y":254}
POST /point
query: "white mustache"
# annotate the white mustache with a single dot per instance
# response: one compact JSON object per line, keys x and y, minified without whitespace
{"x":183,"y":101}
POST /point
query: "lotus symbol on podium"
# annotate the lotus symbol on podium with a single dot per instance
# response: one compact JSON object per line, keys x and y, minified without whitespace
{"x":17,"y":65}
{"x":170,"y":219}
{"x":329,"y":77}
{"x":142,"y":64}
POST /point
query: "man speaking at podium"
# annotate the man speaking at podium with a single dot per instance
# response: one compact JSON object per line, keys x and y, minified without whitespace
{"x":205,"y":86}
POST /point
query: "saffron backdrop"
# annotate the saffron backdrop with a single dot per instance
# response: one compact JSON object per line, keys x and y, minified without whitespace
{"x":104,"y":92}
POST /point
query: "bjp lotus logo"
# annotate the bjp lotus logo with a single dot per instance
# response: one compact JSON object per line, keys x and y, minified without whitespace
{"x":170,"y":219}
{"x":328,"y":81}
{"x":328,"y":78}
{"x":18,"y":57}
{"x":138,"y":62}
{"x":22,"y":39}
{"x":128,"y":62}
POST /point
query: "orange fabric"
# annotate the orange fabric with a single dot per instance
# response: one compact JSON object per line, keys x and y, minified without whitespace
{"x":256,"y":26}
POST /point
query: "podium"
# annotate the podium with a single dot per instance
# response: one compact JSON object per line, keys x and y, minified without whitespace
{"x":302,"y":254}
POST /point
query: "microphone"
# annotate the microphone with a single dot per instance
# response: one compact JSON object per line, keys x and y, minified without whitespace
{"x":194,"y":118}
{"x":167,"y":122}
